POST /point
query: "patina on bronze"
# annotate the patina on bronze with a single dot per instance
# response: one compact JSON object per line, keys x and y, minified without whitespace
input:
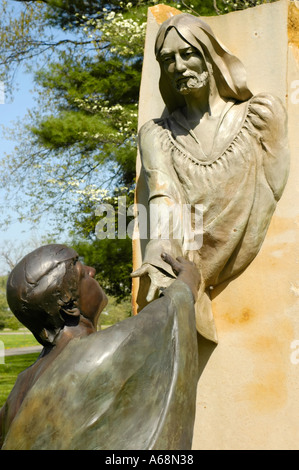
{"x":218,"y":146}
{"x":131,"y":386}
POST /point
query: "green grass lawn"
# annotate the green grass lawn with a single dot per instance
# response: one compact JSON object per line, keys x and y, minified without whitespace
{"x":10,"y":370}
{"x":14,"y":364}
{"x":18,"y":340}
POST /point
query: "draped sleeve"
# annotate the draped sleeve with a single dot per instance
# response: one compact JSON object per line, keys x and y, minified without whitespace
{"x":268,"y":116}
{"x":157,"y":163}
{"x":165,"y":194}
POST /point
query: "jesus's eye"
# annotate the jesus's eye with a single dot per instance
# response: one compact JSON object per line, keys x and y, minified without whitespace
{"x":167,"y":59}
{"x":187,"y":54}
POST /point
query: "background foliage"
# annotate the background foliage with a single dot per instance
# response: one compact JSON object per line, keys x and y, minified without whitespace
{"x":10,"y":371}
{"x":7,"y":319}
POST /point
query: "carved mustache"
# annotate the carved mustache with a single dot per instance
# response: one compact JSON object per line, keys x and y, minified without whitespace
{"x":184,"y":76}
{"x":196,"y":79}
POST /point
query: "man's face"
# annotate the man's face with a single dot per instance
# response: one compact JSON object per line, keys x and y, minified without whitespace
{"x":183,"y":64}
{"x":92,"y":298}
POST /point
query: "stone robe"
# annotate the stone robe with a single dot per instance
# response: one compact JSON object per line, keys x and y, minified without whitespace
{"x":238,"y":185}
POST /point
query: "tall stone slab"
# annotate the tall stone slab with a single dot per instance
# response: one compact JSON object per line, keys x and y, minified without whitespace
{"x":247,"y":394}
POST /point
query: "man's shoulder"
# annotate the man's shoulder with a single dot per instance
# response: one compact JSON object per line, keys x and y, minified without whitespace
{"x":267,"y":106}
{"x":268,"y":116}
{"x":150,"y":128}
{"x":265,"y":98}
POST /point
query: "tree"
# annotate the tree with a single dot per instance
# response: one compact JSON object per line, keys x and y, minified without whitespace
{"x":7,"y":319}
{"x":82,"y":136}
{"x":3,"y":304}
{"x":11,"y":253}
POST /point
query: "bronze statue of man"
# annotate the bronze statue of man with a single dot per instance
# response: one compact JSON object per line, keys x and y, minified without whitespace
{"x":57,"y":299}
{"x":219,"y":147}
{"x":130,"y":386}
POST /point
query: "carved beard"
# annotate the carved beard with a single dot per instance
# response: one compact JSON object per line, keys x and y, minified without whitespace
{"x":191,"y":81}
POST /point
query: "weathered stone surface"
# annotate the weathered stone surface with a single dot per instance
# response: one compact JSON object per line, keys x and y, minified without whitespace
{"x":247,"y":392}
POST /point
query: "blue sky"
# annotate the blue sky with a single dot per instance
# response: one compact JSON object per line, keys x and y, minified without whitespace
{"x":21,"y":234}
{"x":10,"y":111}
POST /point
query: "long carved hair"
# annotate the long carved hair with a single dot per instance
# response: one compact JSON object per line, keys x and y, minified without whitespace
{"x":228,"y":71}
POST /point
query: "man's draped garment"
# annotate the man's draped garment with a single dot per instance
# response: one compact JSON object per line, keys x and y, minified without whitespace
{"x":238,"y":185}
